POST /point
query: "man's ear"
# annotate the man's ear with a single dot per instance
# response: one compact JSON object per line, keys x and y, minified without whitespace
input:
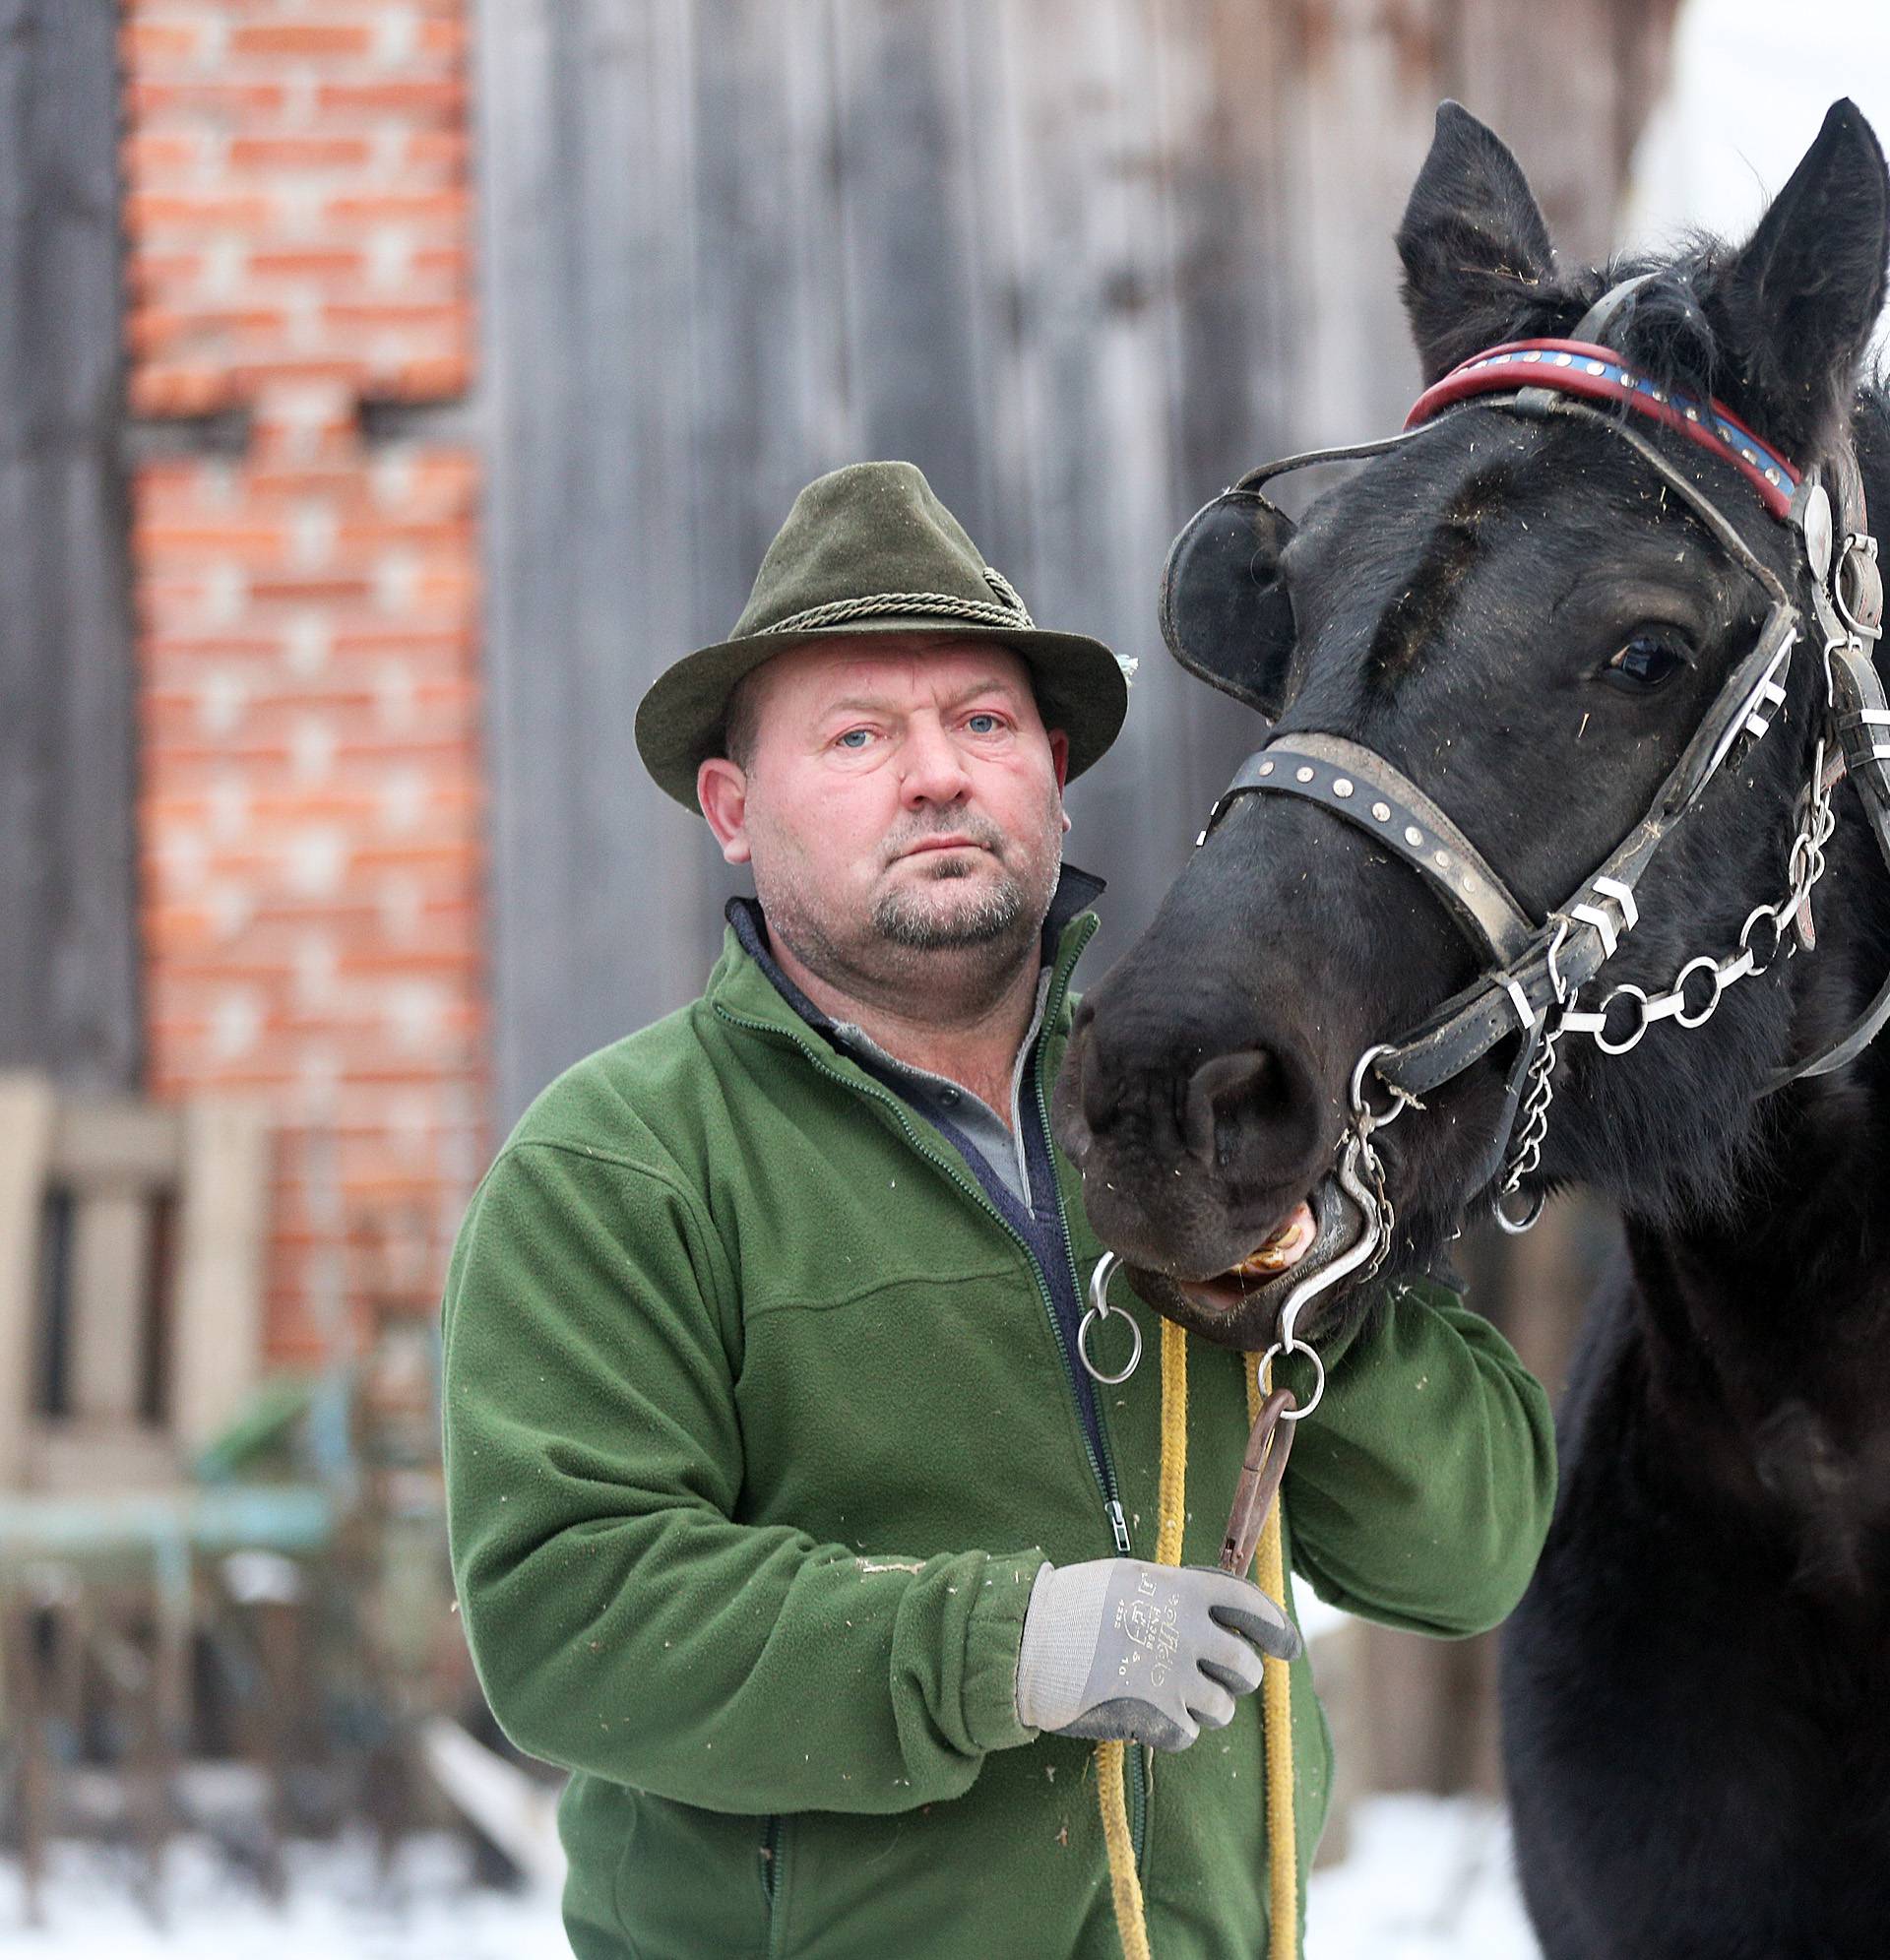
{"x":1061,"y":756}
{"x":1799,"y":303}
{"x":722,"y":788}
{"x":1476,"y":254}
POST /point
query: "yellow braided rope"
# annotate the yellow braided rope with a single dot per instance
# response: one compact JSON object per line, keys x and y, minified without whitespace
{"x":1276,"y":1723}
{"x":1111,"y":1794}
{"x":1111,"y":1758}
{"x":1276,"y":1690}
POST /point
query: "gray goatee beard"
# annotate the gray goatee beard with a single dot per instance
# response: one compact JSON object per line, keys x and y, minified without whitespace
{"x":904,"y":919}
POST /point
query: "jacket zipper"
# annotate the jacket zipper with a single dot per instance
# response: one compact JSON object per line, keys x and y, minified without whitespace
{"x":1095,"y":1448}
{"x":1138,"y":1783}
{"x":771,"y":1845}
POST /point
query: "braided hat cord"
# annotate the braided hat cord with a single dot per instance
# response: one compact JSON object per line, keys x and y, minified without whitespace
{"x":1010,"y":616}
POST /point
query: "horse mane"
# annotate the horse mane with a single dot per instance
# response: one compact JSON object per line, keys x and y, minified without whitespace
{"x":1672,"y":329}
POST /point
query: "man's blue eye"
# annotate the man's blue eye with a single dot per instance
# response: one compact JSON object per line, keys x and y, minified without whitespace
{"x":853,"y":738}
{"x":990,"y":725}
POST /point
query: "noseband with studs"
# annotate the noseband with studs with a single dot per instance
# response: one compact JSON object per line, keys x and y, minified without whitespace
{"x":1536,"y":970}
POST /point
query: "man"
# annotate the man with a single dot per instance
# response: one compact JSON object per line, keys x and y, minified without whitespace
{"x":783,"y":1511}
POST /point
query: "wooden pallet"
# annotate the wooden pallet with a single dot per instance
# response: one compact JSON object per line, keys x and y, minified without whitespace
{"x":132,"y":1243}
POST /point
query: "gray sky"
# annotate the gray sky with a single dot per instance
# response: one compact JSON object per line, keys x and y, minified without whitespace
{"x":1750,"y":83}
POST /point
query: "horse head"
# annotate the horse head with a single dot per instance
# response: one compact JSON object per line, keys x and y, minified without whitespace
{"x":1531,"y":622}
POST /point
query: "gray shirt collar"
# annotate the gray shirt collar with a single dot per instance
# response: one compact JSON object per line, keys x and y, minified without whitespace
{"x":999,"y":1143}
{"x":941,"y":1100}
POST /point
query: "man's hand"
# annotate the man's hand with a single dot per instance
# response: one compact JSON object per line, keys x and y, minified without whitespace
{"x":1118,"y":1648}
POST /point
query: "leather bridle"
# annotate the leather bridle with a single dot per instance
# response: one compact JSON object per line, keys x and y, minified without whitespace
{"x":1535,"y":972}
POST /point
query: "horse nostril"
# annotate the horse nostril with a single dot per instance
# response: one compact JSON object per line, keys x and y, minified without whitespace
{"x":1223,"y":1094}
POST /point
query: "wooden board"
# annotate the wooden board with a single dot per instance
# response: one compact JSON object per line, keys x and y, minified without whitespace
{"x":117,"y":1141}
{"x":26,"y":1146}
{"x":109,"y":1327}
{"x":73,"y":1458}
{"x":68,"y":950}
{"x":216,"y":1334}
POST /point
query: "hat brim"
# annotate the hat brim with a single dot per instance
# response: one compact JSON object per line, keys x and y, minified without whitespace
{"x":1078,"y":684}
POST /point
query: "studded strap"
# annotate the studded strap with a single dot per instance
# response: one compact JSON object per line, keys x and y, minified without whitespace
{"x":1367,"y":791}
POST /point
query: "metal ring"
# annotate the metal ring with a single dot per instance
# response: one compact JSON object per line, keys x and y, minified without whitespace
{"x":1360,"y":1107}
{"x":1752,"y":917}
{"x":1083,"y":1352}
{"x":1601,"y":1042}
{"x":1283,"y":1349}
{"x":1101,"y":1309}
{"x":1516,"y":1226}
{"x":1705,"y":1014}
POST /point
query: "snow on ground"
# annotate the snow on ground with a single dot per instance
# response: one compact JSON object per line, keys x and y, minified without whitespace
{"x":339,"y":1908}
{"x":1427,"y":1879}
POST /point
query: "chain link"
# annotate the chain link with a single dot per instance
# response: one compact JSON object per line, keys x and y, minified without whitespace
{"x":1806,"y":866}
{"x":1363,"y":1123}
{"x":1527,"y":1154}
{"x":1374,"y":1167}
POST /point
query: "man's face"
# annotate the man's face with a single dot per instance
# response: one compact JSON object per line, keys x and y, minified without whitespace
{"x":902,"y":798}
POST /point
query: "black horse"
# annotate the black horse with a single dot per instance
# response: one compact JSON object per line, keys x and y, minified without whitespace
{"x":1520,"y":613}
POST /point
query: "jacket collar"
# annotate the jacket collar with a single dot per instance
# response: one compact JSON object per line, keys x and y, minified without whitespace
{"x":748,"y":984}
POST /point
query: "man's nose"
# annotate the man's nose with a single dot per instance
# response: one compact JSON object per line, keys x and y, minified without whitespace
{"x":932,"y":770}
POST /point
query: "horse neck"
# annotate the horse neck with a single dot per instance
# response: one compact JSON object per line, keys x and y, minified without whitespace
{"x":1801,"y":1249}
{"x":1767,"y":1332}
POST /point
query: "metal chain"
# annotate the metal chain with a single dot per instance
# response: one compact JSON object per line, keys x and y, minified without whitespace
{"x":1374,"y":1168}
{"x":1527,"y":1154}
{"x":1364,"y":1122}
{"x":1805,"y":867}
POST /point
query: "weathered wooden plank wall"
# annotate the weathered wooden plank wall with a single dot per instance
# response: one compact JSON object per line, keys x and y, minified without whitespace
{"x":68,"y":918}
{"x":1083,"y":263}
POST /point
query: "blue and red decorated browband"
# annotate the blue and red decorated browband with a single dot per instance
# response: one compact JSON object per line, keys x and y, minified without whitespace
{"x":1578,"y":367}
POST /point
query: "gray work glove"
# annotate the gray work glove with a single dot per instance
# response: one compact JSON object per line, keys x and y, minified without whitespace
{"x":1120,"y":1649}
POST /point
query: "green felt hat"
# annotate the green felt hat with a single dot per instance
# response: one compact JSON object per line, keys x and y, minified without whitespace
{"x":871,"y":549}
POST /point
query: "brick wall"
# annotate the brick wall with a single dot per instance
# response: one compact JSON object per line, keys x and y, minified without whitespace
{"x":311,"y":805}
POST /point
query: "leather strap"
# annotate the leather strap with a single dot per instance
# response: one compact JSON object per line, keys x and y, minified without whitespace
{"x":1368,"y":793}
{"x":1863,"y":725}
{"x":1594,"y":325}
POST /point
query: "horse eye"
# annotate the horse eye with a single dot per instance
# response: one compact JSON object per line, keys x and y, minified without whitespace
{"x":1643,"y":663}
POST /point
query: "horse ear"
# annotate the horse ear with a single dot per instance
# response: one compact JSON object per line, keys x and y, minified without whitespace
{"x":1476,"y":254}
{"x":1225,"y":615}
{"x":1799,"y":302}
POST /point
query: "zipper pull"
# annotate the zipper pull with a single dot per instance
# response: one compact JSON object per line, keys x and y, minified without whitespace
{"x":1120,"y":1529}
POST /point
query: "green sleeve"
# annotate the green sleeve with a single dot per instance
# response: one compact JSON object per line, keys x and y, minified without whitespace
{"x":1421,"y":1489}
{"x":620,"y":1621}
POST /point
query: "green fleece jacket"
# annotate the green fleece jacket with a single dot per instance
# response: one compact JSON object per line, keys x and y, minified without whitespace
{"x":758,"y":1426}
